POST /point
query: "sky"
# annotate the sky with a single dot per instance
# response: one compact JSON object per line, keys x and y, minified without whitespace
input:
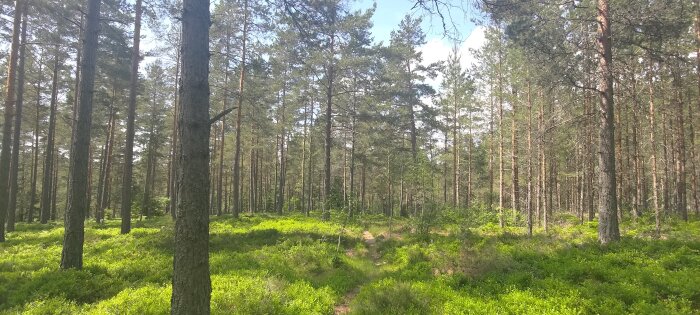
{"x":389,"y":14}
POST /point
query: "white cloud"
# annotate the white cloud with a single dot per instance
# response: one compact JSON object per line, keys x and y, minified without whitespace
{"x":438,"y":49}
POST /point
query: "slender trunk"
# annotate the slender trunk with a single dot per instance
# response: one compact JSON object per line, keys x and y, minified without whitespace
{"x":470,"y":144}
{"x":219,"y":183}
{"x":608,"y":230}
{"x":54,"y":188}
{"x":150,"y":160}
{"x":49,"y":152}
{"x":543,"y":210}
{"x":445,"y":174}
{"x":35,"y":149}
{"x":667,"y":159}
{"x":681,"y":205}
{"x":72,"y":255}
{"x":104,"y":194}
{"x":279,"y":204}
{"x":172,"y":173}
{"x":128,"y":170}
{"x":330,"y":73}
{"x":9,"y":114}
{"x":455,"y":152}
{"x":514,"y":164}
{"x":14,"y":171}
{"x":311,"y":163}
{"x":252,"y":176}
{"x":501,"y":162}
{"x":529,"y":159}
{"x":237,"y":157}
{"x":491,"y":144}
{"x":303,"y":161}
{"x":100,"y":182}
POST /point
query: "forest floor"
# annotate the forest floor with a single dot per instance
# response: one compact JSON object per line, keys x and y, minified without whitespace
{"x":369,"y":265}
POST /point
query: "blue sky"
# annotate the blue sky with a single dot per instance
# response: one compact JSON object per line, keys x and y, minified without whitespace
{"x":390,"y":13}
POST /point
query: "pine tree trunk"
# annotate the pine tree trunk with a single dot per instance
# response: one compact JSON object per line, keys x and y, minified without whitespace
{"x":219,"y":182}
{"x":14,"y":171}
{"x":239,"y":113}
{"x":49,"y":152}
{"x":150,"y":161}
{"x":652,"y":150}
{"x":72,"y":255}
{"x":304,"y":208}
{"x":35,"y":148}
{"x":501,"y":162}
{"x":172,"y":174}
{"x":470,"y":144}
{"x":279,"y":204}
{"x":104,"y":188}
{"x":514,"y":165}
{"x":681,"y":205}
{"x":608,"y":230}
{"x":529,"y":159}
{"x":543,"y":209}
{"x":330,"y":73}
{"x":191,"y":283}
{"x":128,"y":170}
{"x":491,"y":144}
{"x":7,"y":123}
{"x":54,"y":189}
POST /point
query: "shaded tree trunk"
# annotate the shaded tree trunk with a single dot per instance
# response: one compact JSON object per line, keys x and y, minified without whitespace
{"x":529,"y":159}
{"x":608,"y":230}
{"x":72,"y":255}
{"x":49,"y":152}
{"x":172,"y":174}
{"x":35,"y":149}
{"x":191,"y":283}
{"x":130,"y":128}
{"x":7,"y":123}
{"x":652,"y":150}
{"x":279,"y":204}
{"x":515,"y":190}
{"x":14,"y":171}
{"x":239,"y":113}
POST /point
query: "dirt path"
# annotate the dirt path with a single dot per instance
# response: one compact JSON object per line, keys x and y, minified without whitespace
{"x":344,"y":306}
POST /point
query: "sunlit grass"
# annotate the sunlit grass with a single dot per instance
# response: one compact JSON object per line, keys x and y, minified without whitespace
{"x":296,"y":265}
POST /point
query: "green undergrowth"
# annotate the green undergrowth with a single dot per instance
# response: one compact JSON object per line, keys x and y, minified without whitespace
{"x":490,"y":270}
{"x":297,"y":265}
{"x":259,"y":265}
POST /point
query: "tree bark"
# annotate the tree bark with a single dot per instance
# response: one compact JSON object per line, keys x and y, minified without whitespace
{"x":72,"y":255}
{"x":279,"y":204}
{"x":529,"y":159}
{"x":104,"y":184}
{"x":130,"y":128}
{"x":172,"y":174}
{"x":608,"y":230}
{"x":681,"y":205}
{"x":35,"y":160}
{"x":330,"y":77}
{"x":14,"y":171}
{"x":501,"y":162}
{"x":515,"y":190}
{"x":50,"y":143}
{"x":191,"y":283}
{"x":219,"y":182}
{"x":239,"y":113}
{"x":7,"y":123}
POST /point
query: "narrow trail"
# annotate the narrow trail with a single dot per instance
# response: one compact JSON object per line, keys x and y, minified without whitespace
{"x":371,"y":242}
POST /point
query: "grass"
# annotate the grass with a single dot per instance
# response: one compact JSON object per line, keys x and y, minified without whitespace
{"x":294,"y":265}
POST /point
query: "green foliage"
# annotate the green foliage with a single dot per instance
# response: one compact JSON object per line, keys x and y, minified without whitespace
{"x":291,"y":265}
